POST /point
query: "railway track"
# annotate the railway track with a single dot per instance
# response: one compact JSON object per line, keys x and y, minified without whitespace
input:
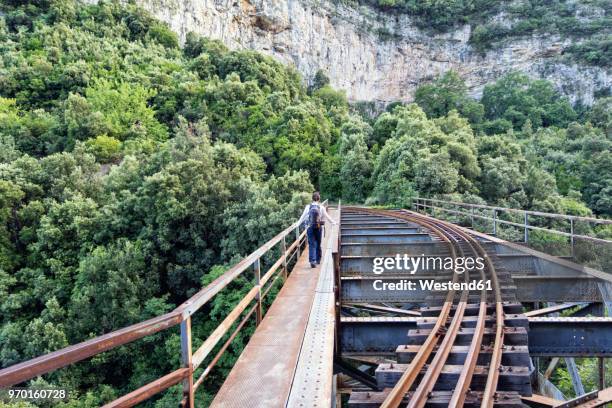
{"x":454,"y":358}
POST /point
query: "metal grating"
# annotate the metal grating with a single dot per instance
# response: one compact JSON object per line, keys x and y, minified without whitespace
{"x":313,"y":379}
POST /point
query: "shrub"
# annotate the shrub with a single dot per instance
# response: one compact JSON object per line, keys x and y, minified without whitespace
{"x":106,"y":149}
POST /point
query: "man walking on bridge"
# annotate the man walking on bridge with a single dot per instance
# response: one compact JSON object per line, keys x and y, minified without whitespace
{"x":313,"y":215}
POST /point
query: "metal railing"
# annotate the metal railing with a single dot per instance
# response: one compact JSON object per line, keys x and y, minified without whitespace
{"x":251,"y":303}
{"x":420,"y":203}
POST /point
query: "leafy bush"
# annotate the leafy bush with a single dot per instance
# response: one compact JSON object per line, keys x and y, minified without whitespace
{"x":106,"y":149}
{"x":594,"y":51}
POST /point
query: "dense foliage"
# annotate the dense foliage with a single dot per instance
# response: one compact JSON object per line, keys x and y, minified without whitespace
{"x":588,"y":22}
{"x":134,"y":171}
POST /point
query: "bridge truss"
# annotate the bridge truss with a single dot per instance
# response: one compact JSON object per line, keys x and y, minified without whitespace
{"x":462,"y":347}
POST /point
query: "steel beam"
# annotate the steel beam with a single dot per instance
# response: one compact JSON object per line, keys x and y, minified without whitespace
{"x":548,"y":336}
{"x":555,"y":309}
{"x":390,"y":247}
{"x":384,"y":230}
{"x":570,"y":336}
{"x":375,"y":334}
{"x":576,"y":288}
{"x":341,"y":366}
{"x":580,"y":288}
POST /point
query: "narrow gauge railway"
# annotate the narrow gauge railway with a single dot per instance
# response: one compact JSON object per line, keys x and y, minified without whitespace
{"x":456,"y":356}
{"x":331,"y":336}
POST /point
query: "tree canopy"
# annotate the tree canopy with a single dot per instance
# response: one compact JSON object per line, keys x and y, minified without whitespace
{"x":134,"y":170}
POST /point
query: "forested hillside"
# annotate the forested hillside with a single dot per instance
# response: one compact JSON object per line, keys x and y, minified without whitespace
{"x":496,"y":21}
{"x":133,"y":171}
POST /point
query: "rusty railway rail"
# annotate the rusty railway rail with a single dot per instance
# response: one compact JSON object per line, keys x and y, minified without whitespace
{"x":455,"y":237}
{"x":396,"y":396}
{"x":250,"y":305}
{"x":420,"y":396}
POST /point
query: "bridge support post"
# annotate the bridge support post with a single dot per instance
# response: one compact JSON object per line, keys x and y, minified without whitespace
{"x":572,"y":369}
{"x":257,"y":270}
{"x":186,"y":353}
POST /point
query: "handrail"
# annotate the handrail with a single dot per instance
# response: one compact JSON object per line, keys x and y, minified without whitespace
{"x":535,"y":213}
{"x":26,"y":370}
{"x":420,"y":203}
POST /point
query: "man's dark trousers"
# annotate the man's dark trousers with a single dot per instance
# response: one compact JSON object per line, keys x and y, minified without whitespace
{"x":314,"y":244}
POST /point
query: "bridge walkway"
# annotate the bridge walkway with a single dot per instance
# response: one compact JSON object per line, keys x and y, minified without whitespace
{"x":289,"y":359}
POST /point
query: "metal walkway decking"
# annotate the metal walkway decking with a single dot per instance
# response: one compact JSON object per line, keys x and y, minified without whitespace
{"x":289,"y":359}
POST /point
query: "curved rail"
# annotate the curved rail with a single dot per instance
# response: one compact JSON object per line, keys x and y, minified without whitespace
{"x":396,"y":395}
{"x":455,"y":236}
{"x":495,"y":363}
{"x":419,"y":398}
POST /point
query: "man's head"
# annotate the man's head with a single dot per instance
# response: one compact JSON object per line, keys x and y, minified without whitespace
{"x":316,"y":196}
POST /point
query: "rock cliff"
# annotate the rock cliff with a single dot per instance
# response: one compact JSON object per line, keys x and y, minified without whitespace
{"x":374,"y":56}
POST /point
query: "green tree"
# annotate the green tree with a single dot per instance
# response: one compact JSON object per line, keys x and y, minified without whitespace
{"x":515,"y":97}
{"x":356,"y":164}
{"x":448,"y":92}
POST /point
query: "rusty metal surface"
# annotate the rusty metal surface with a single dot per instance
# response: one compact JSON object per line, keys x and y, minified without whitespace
{"x":396,"y":395}
{"x":72,"y":354}
{"x":596,"y":399}
{"x":264,"y":372}
{"x":453,"y":236}
{"x":146,"y":392}
{"x":313,"y":380}
{"x":540,"y":401}
{"x":553,"y":309}
{"x":383,"y":309}
{"x":558,"y":262}
{"x":61,"y":358}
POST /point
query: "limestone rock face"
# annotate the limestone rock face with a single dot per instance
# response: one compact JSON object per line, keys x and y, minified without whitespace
{"x":374,"y":56}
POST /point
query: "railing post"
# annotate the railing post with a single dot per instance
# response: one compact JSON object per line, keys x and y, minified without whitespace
{"x":186,"y":352}
{"x":526,"y":227}
{"x":257,"y":268}
{"x":472,"y":216}
{"x":495,"y":222}
{"x":572,"y":237}
{"x":297,"y":240}
{"x":284,"y":249}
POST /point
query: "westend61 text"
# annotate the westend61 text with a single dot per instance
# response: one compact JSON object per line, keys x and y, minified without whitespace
{"x":412,"y":264}
{"x":432,"y":285}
